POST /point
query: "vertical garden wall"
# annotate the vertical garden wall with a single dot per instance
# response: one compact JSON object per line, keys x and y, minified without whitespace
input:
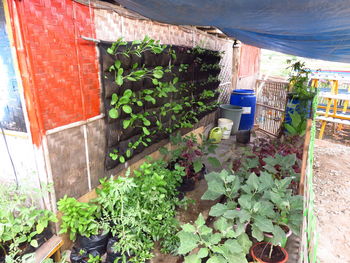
{"x":151,"y":90}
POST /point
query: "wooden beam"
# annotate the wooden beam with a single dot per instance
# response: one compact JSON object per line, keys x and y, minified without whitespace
{"x":305,"y":156}
{"x":48,"y":249}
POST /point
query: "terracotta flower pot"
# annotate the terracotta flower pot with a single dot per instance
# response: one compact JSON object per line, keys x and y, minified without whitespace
{"x":262,"y":255}
{"x":269,"y":236}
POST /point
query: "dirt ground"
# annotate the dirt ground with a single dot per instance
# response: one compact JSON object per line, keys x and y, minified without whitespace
{"x":332,"y":198}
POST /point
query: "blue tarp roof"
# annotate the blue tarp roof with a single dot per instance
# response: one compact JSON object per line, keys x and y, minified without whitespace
{"x":309,"y":28}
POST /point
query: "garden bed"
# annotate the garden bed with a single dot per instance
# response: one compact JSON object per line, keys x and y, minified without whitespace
{"x":140,"y":216}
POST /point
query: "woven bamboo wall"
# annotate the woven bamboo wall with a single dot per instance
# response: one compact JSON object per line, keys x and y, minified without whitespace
{"x":63,"y":85}
{"x":110,"y":26}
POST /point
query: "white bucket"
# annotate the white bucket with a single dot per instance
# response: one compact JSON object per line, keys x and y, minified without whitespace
{"x":226,"y":127}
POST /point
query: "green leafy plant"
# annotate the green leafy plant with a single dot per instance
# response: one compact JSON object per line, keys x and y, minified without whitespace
{"x":173,"y":114}
{"x":298,"y":81}
{"x":297,"y":125}
{"x":78,"y":218}
{"x":142,"y":209}
{"x":136,"y":47}
{"x":189,"y":153}
{"x":263,"y":202}
{"x":20,"y":220}
{"x":94,"y":259}
{"x":222,"y":244}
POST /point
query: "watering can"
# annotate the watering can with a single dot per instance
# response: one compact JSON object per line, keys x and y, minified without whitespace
{"x":215,"y":135}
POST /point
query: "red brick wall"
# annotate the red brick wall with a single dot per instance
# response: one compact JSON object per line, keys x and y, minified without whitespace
{"x":61,"y":84}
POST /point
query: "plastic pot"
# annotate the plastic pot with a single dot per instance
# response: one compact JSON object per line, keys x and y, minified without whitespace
{"x":269,"y":236}
{"x":233,"y":113}
{"x":96,"y":243}
{"x":243,"y":136}
{"x":226,"y":126}
{"x":260,"y":253}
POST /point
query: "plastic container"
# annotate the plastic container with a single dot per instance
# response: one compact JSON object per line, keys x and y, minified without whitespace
{"x":303,"y":107}
{"x":247,"y":100}
{"x":266,"y":245}
{"x":216,"y":135}
{"x":243,"y":136}
{"x":233,"y":113}
{"x":226,"y":126}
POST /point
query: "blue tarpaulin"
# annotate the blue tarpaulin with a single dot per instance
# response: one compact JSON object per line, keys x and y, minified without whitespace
{"x":309,"y":28}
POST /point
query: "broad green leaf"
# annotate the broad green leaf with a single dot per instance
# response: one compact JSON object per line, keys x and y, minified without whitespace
{"x":114,"y":99}
{"x":117,"y":64}
{"x":126,"y":124}
{"x":231,"y":214}
{"x":200,"y":221}
{"x":245,"y":243}
{"x":291,"y":130}
{"x":34,"y":243}
{"x":127,"y":109}
{"x":245,"y":201}
{"x":217,"y":259}
{"x":203,"y":252}
{"x":204,"y":230}
{"x":119,"y":80}
{"x":121,"y":159}
{"x":222,"y":224}
{"x":146,"y":131}
{"x":113,"y":113}
{"x":215,"y":190}
{"x":257,"y":233}
{"x":127,"y":93}
{"x":215,"y":238}
{"x":158,"y":74}
{"x":197,"y":166}
{"x":253,"y":181}
{"x":188,"y":241}
{"x":188,"y":228}
{"x":218,"y":209}
{"x":214,"y":162}
{"x":263,"y":224}
{"x":266,"y":180}
{"x":232,"y":246}
{"x":146,"y":122}
{"x":193,"y":258}
{"x":278,"y":235}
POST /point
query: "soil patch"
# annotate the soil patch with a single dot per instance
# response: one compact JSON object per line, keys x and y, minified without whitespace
{"x":332,"y":198}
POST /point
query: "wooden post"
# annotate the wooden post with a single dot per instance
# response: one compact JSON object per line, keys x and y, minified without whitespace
{"x":305,"y":156}
{"x":235,"y":64}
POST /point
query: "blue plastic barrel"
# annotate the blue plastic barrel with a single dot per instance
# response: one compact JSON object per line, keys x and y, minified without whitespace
{"x":247,"y":100}
{"x":293,"y":104}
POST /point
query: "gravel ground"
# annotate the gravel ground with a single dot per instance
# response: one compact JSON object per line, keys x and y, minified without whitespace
{"x":332,"y":191}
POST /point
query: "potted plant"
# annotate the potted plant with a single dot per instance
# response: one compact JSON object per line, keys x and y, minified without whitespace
{"x":200,"y":243}
{"x":300,"y":94}
{"x":85,"y":226}
{"x":265,"y":203}
{"x":187,"y":152}
{"x":23,"y":224}
{"x":265,"y":252}
{"x":141,"y":210}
